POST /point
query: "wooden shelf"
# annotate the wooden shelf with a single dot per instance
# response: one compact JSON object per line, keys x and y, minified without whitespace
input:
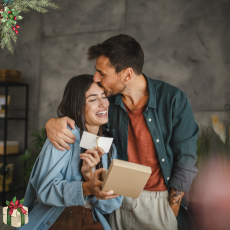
{"x":13,"y":118}
{"x":17,"y":117}
{"x":13,"y":190}
{"x":11,"y":154}
{"x":10,"y":83}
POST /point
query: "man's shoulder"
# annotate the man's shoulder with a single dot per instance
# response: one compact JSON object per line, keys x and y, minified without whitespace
{"x":164,"y":89}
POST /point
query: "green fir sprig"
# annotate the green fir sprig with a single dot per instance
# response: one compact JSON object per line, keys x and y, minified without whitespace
{"x":38,"y":5}
{"x":10,"y":16}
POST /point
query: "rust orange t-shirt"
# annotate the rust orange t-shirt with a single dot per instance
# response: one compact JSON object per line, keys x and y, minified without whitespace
{"x":141,"y":149}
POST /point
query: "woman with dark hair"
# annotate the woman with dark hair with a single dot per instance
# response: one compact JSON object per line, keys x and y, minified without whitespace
{"x":58,"y":194}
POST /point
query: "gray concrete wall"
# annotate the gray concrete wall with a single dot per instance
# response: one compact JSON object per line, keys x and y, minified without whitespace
{"x":186,"y":43}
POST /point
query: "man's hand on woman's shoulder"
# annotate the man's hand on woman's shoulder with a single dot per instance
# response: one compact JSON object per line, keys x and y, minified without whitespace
{"x":58,"y":133}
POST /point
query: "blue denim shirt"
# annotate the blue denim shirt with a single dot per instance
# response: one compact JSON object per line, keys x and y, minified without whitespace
{"x":55,"y":183}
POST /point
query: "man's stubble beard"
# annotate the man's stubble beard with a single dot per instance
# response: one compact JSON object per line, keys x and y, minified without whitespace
{"x":111,"y":92}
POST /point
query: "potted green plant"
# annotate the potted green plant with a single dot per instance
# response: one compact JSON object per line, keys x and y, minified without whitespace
{"x":29,"y":157}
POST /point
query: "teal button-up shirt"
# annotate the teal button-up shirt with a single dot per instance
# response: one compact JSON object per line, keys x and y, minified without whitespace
{"x":173,"y":129}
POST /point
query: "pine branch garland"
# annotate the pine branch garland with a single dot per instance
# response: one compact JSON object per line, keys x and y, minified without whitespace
{"x":12,"y":35}
{"x":11,"y":15}
{"x":3,"y":44}
{"x":7,"y":39}
{"x":24,"y":5}
{"x":8,"y":36}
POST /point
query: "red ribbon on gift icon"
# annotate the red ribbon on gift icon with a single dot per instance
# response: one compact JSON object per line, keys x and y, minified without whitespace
{"x":16,"y":206}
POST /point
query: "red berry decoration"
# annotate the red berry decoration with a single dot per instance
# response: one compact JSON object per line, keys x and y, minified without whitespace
{"x":16,"y":31}
{"x":9,"y":12}
{"x":17,"y":26}
{"x":13,"y":28}
{"x":15,"y":18}
{"x":7,"y":18}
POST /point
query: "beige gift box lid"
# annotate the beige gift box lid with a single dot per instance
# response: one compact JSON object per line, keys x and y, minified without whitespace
{"x":125,"y":178}
{"x":15,"y":217}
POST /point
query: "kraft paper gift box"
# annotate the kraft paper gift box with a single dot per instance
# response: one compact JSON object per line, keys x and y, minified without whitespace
{"x":125,"y":178}
{"x":17,"y":219}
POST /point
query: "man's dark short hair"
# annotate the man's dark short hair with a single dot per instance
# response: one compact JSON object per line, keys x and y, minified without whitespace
{"x":123,"y":52}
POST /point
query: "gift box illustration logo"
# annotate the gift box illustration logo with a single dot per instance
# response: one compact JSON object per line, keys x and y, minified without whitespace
{"x":15,"y":214}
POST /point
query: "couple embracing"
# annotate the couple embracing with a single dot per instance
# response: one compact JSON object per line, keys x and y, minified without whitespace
{"x":152,"y":124}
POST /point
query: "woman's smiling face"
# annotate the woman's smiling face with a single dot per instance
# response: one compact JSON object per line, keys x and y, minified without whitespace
{"x":96,"y":108}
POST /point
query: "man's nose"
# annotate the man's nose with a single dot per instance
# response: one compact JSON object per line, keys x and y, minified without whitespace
{"x":97,"y":77}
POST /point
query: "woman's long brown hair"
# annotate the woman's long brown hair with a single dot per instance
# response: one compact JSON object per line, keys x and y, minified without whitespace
{"x":73,"y":106}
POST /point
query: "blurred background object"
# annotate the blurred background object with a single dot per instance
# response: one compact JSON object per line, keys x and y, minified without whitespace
{"x":209,"y":198}
{"x":12,"y":147}
{"x":10,"y":75}
{"x":3,"y":105}
{"x":9,"y":174}
{"x":211,"y":209}
{"x":13,"y":143}
{"x":215,"y":193}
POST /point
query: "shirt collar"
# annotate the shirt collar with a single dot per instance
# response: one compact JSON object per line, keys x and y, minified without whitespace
{"x":152,"y":103}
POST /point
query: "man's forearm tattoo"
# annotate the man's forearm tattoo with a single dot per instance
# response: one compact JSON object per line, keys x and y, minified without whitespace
{"x":175,"y":196}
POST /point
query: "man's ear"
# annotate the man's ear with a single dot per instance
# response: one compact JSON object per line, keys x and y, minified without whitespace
{"x":128,"y":74}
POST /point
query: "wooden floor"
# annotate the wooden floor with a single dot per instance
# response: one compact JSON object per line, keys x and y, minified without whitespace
{"x":2,"y":225}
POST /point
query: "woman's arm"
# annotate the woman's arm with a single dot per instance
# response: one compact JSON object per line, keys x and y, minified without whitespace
{"x":107,"y":206}
{"x":49,"y":180}
{"x":51,"y":186}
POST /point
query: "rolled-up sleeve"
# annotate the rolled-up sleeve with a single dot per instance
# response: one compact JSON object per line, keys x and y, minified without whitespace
{"x":184,"y":145}
{"x":49,"y":179}
{"x":107,"y":206}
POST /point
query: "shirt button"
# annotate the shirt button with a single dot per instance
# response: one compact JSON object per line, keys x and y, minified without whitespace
{"x":185,"y":208}
{"x":163,"y":160}
{"x":168,"y":178}
{"x":108,"y":130}
{"x":157,"y":140}
{"x":149,"y":119}
{"x":48,"y":223}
